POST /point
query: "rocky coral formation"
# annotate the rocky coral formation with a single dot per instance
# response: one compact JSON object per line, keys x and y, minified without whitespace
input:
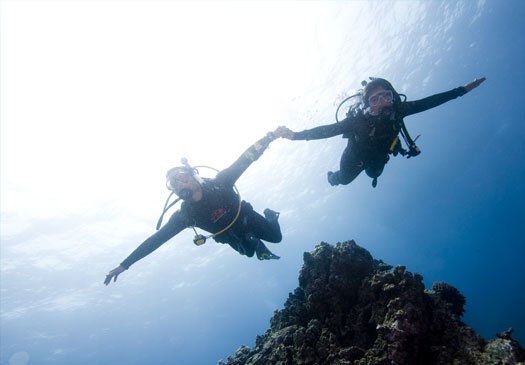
{"x":352,"y":309}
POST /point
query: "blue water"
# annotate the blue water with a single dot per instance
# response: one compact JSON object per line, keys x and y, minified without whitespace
{"x":453,"y":214}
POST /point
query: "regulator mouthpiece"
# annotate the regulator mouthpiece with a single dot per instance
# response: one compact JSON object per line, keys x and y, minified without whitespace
{"x":185,"y":194}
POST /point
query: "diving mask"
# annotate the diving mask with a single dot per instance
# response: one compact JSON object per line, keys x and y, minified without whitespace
{"x":386,"y":96}
{"x":177,"y":175}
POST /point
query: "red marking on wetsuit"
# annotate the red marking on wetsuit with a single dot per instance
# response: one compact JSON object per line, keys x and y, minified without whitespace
{"x":217,"y":214}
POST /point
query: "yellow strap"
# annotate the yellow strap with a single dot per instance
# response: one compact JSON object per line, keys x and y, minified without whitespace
{"x":234,"y":219}
{"x":394,"y":142}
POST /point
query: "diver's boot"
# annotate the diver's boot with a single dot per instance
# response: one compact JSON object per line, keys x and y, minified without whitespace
{"x":271,"y":215}
{"x":374,"y":182}
{"x":332,"y":178}
{"x":263,"y":253}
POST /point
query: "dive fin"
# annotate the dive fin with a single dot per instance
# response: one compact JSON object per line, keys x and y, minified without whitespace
{"x":263,"y":253}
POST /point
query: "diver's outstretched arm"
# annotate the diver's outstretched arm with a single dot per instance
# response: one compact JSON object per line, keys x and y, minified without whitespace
{"x":113,"y":274}
{"x":232,"y":173}
{"x":177,"y":223}
{"x":417,"y":106}
{"x":320,"y":132}
{"x":474,"y":84}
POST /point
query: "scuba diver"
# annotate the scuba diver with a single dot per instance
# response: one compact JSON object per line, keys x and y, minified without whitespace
{"x":213,"y":205}
{"x":372,"y":126}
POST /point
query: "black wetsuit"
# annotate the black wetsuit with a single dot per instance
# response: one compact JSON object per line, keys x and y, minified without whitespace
{"x":370,"y":137}
{"x":215,"y":211}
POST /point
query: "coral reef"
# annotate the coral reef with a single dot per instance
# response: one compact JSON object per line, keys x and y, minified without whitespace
{"x":350,"y":309}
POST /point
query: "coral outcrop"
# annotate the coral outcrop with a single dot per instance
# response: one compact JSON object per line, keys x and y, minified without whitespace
{"x":352,"y":309}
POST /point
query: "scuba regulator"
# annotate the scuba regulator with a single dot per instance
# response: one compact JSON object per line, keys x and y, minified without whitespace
{"x":199,"y":239}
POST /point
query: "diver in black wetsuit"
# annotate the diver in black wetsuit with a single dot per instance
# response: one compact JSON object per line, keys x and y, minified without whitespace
{"x":213,"y":205}
{"x":372,"y":129}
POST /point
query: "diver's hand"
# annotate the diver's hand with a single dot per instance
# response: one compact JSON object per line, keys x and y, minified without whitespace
{"x":113,"y":274}
{"x":284,"y":132}
{"x":474,"y":84}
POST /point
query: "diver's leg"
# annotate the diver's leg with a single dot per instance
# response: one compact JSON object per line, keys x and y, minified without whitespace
{"x":249,"y":247}
{"x":267,"y":229}
{"x":375,"y":171}
{"x":238,"y":242}
{"x":257,"y":228}
{"x":375,"y":168}
{"x":350,"y":167}
{"x":252,"y":244}
{"x":248,"y":244}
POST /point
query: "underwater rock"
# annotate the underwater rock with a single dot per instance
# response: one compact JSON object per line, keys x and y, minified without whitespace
{"x":452,"y":296}
{"x":350,"y":309}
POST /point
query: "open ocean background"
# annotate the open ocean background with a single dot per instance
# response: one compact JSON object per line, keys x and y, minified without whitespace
{"x":100,"y":98}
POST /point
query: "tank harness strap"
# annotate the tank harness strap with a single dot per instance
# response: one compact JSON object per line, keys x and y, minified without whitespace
{"x":394,"y":144}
